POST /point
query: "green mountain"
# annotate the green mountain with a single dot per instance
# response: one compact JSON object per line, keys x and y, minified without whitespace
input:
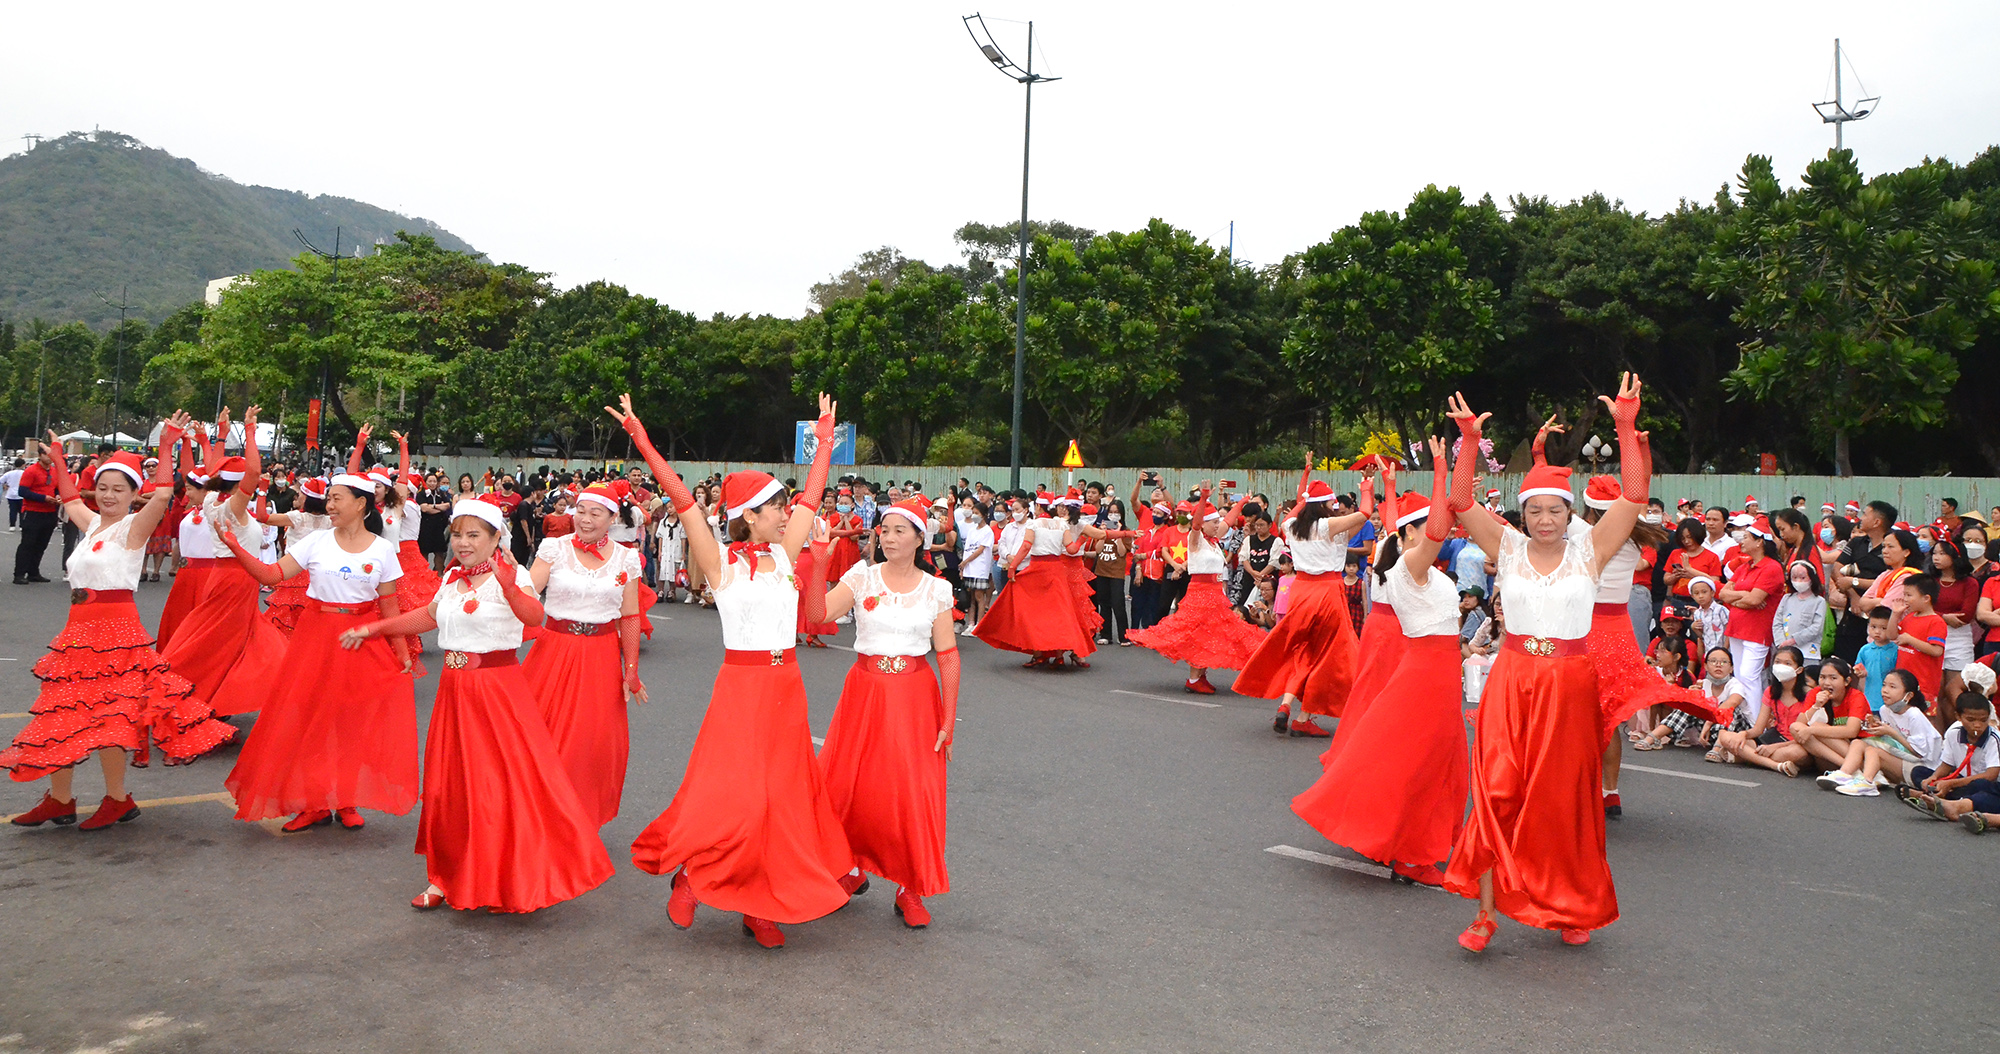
{"x":93,"y":211}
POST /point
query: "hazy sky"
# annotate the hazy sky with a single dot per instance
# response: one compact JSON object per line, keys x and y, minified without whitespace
{"x":723,"y":157}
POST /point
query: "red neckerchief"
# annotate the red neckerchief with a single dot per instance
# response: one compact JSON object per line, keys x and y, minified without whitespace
{"x":462,"y":571}
{"x":750,"y":551}
{"x":595,"y":548}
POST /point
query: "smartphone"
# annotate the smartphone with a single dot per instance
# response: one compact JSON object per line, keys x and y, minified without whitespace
{"x":1228,"y":484}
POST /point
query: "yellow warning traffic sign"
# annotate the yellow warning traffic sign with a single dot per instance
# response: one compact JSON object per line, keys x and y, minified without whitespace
{"x":1073,"y":459}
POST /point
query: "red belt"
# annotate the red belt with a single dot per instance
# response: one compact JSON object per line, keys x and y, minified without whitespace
{"x":348,"y":609}
{"x":1545,"y":647}
{"x":1315,"y":576}
{"x":774,"y":657}
{"x":472,"y":660}
{"x":580,"y":629}
{"x":100,"y":596}
{"x":1204,"y":578}
{"x":208,"y":561}
{"x":1609,"y":609}
{"x":893,"y":663}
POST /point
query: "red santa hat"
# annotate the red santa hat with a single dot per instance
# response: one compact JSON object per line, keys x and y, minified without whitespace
{"x":1749,"y":500}
{"x":130,"y":466}
{"x":1761,"y":527}
{"x":1073,"y":498}
{"x":231,"y":469}
{"x":1602,"y":492}
{"x":377,"y":475}
{"x":1853,"y":508}
{"x":1826,"y":508}
{"x":1493,"y":494}
{"x":1043,"y":497}
{"x":914,"y":510}
{"x":748,"y":489}
{"x":313,"y":488}
{"x":1410,"y":508}
{"x":1317,"y":490}
{"x":1546,"y":481}
{"x":600,"y":495}
{"x":358,"y":484}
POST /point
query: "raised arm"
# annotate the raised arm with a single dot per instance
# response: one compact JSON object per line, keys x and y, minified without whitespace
{"x":1305,"y":478}
{"x":1486,"y":532}
{"x":1635,"y":463}
{"x":360,"y":450}
{"x":702,"y":548}
{"x":402,"y":484}
{"x":799,"y":527}
{"x":160,"y":492}
{"x":1437,"y":527}
{"x":1365,"y":501}
{"x":1542,"y":439}
{"x":253,"y":467}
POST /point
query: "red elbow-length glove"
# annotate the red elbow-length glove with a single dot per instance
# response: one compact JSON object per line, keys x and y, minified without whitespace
{"x":1468,"y":464}
{"x":670,"y":481}
{"x":265,"y":574}
{"x":1438,"y":527}
{"x":1634,"y":456}
{"x":948,"y":681}
{"x":628,"y":653}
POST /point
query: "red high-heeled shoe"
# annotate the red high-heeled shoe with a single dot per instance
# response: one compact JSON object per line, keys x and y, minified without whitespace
{"x":1476,"y":936}
{"x":60,"y":813}
{"x":1576,"y":938}
{"x":681,"y":902}
{"x":763,"y":932}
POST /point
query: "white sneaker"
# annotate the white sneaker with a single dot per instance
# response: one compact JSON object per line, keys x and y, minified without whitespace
{"x":1882,"y":780}
{"x":1858,"y":788}
{"x":1831,"y":780}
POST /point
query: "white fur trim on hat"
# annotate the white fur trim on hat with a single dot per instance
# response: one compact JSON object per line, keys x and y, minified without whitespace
{"x":1553,"y":492}
{"x":482,"y":510}
{"x":907,"y":514}
{"x":119,"y":466}
{"x":353,"y":482}
{"x":764,"y":494}
{"x":598,"y":500}
{"x":1412,"y":516}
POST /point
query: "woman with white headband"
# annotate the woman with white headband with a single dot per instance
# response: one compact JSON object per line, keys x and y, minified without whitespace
{"x":339,"y":733}
{"x":1396,"y":777}
{"x":1533,"y":845}
{"x":750,"y":828}
{"x":1204,"y":631}
{"x":230,"y":654}
{"x":104,"y":689}
{"x":502,"y":827}
{"x":1308,"y":662}
{"x":585,"y":662}
{"x":307,"y":518}
{"x":891,"y":733}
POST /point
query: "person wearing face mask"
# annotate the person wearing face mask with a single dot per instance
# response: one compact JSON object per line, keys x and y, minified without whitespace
{"x":1768,"y":742}
{"x":1013,"y":529}
{"x":1891,"y":743}
{"x":976,"y":540}
{"x":1801,"y":617}
{"x":1149,"y":565}
{"x":843,"y":525}
{"x":1751,"y":595}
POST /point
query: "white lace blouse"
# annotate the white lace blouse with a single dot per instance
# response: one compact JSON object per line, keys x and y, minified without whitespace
{"x":1323,"y":553}
{"x":891,"y":623}
{"x":1429,"y":610}
{"x":585,"y":594}
{"x":1204,"y":557}
{"x":197,"y":540}
{"x":102,"y":560}
{"x":760,"y":612}
{"x":1048,"y":536}
{"x":1615,"y":584}
{"x":489,"y":626}
{"x":1556,"y":605}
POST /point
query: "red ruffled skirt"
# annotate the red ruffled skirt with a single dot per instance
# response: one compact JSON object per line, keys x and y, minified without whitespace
{"x":841,"y":556}
{"x":103,"y":685}
{"x":339,"y":731}
{"x":190,"y":583}
{"x":1205,"y":632}
{"x":162,"y":538}
{"x":230,"y":656}
{"x":1083,"y":595}
{"x":885,"y":777}
{"x":1625,"y":683}
{"x":1396,"y":791}
{"x":1312,"y":653}
{"x":1037,"y":612}
{"x":287,"y":599}
{"x":419,"y":583}
{"x":1381,"y":648}
{"x":808,"y":571}
{"x":576,"y":682}
{"x":501,"y":826}
{"x":751,"y":820}
{"x":1537,"y":820}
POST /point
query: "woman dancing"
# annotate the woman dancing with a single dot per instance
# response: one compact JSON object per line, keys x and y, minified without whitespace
{"x":1533,"y":846}
{"x":104,"y":688}
{"x":1039,"y":612}
{"x":750,"y":829}
{"x":501,"y":827}
{"x":891,"y":734}
{"x":1205,"y":632}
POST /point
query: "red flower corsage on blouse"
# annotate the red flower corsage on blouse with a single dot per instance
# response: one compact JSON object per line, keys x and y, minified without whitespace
{"x":868,"y":603}
{"x":96,"y":545}
{"x":622,"y":576}
{"x":471,"y":605}
{"x":367,"y":569}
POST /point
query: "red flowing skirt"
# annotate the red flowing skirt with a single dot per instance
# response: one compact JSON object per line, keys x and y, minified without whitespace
{"x":576,"y":682}
{"x":885,"y":777}
{"x":1083,"y":595}
{"x":231,"y":656}
{"x":419,"y":583}
{"x":501,"y":827}
{"x":1037,"y":612}
{"x":340,"y":731}
{"x":1396,"y":791}
{"x":1382,"y":644}
{"x":841,"y":556}
{"x":1537,"y":819}
{"x":1205,"y":632}
{"x":103,"y":685}
{"x":190,"y":583}
{"x":287,"y":599}
{"x":1625,"y":683}
{"x":162,"y":538}
{"x":647,"y":598}
{"x":1312,"y":653}
{"x":751,"y":820}
{"x":808,"y":568}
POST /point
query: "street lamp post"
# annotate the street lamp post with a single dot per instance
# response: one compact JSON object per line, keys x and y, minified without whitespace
{"x":1027,"y":78}
{"x":118,"y":374}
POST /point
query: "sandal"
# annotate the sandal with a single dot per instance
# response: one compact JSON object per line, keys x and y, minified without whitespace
{"x":1714,"y":754}
{"x":1789,"y":769}
{"x":1974,"y":821}
{"x":1649,"y":743}
{"x":1923,"y":803}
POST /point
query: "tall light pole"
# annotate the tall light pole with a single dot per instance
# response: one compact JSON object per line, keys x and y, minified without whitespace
{"x":117,"y":375}
{"x":1835,"y":112}
{"x":1027,"y":78}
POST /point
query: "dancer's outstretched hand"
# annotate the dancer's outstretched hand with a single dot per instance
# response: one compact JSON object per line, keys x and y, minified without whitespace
{"x":1462,"y":413}
{"x":1438,"y":451}
{"x":1625,"y":410}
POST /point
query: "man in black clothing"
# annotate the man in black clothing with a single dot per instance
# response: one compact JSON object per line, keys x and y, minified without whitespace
{"x":1863,"y":552}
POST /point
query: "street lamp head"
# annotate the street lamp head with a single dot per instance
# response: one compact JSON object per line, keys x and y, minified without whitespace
{"x":993,"y":54}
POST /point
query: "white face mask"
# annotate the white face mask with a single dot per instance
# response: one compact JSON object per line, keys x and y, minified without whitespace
{"x":1019,"y":516}
{"x":1784,"y":671}
{"x":1736,"y":536}
{"x":1801,"y":585}
{"x":1653,"y":518}
{"x":1975,"y":550}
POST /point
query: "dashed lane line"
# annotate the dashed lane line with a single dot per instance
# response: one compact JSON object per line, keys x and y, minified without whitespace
{"x":1356,"y":866}
{"x":1628,"y":766}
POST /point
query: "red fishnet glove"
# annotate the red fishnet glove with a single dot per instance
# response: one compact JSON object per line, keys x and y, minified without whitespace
{"x":1462,"y":474}
{"x":253,"y":459}
{"x":265,"y":574}
{"x":670,"y":481}
{"x":822,"y":463}
{"x":59,"y":471}
{"x":400,"y":624}
{"x":163,"y":469}
{"x":214,"y":454}
{"x":1438,"y":527}
{"x":187,"y":461}
{"x":948,"y":680}
{"x":1235,"y":514}
{"x":1634,"y":459}
{"x":628,"y":653}
{"x":1541,"y":443}
{"x":360,"y":447}
{"x":207,"y":448}
{"x":812,"y":591}
{"x":1365,"y":503}
{"x":521,"y":602}
{"x":1305,"y":480}
{"x":402,"y":458}
{"x":1020,"y":556}
{"x":1076,"y":545}
{"x":1391,"y":509}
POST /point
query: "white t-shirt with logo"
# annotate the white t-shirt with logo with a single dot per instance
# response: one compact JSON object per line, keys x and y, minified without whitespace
{"x":341,"y":577}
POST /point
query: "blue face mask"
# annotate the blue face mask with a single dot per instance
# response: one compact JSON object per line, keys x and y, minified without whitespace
{"x":844,"y":507}
{"x":1924,"y":546}
{"x":1826,"y":536}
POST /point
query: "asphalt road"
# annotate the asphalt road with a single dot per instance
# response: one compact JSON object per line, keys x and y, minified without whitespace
{"x":1113,"y":890}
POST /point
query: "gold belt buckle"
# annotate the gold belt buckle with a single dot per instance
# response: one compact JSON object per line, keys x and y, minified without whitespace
{"x":891,"y":663}
{"x":777,"y":656}
{"x":79,"y":596}
{"x":582,"y":629}
{"x":1541,"y":647}
{"x":455,"y":660}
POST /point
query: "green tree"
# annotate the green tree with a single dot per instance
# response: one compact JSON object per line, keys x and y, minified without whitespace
{"x":1860,"y":293}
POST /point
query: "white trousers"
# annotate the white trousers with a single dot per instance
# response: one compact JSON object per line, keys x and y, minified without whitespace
{"x":1749,"y":660}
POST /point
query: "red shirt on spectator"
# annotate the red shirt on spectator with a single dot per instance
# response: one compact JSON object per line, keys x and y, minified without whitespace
{"x":1959,"y":598}
{"x":558,"y":525}
{"x":1992,"y":595}
{"x":36,"y":478}
{"x":1785,"y":715}
{"x":1702,"y":562}
{"x":507,"y":502}
{"x":1853,"y":705}
{"x":1928,"y":668}
{"x":1754,"y":625}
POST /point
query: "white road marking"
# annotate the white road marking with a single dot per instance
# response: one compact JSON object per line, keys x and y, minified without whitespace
{"x":1356,"y":866}
{"x":1691,"y":776}
{"x":818,"y":742}
{"x":1166,"y":699}
{"x":842,"y":647}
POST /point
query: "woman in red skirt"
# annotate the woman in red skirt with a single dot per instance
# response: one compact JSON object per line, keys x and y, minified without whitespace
{"x":339,"y":733}
{"x":1308,"y":660}
{"x":160,"y":544}
{"x":196,"y":542}
{"x":811,"y":569}
{"x":401,"y":523}
{"x":1394,"y":790}
{"x":1533,"y":846}
{"x":1204,"y":631}
{"x":890,"y":737}
{"x":104,"y":688}
{"x":1046,"y":610}
{"x":751,"y":828}
{"x":288,"y":599}
{"x":585,"y":661}
{"x":502,"y":828}
{"x":230,"y":655}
